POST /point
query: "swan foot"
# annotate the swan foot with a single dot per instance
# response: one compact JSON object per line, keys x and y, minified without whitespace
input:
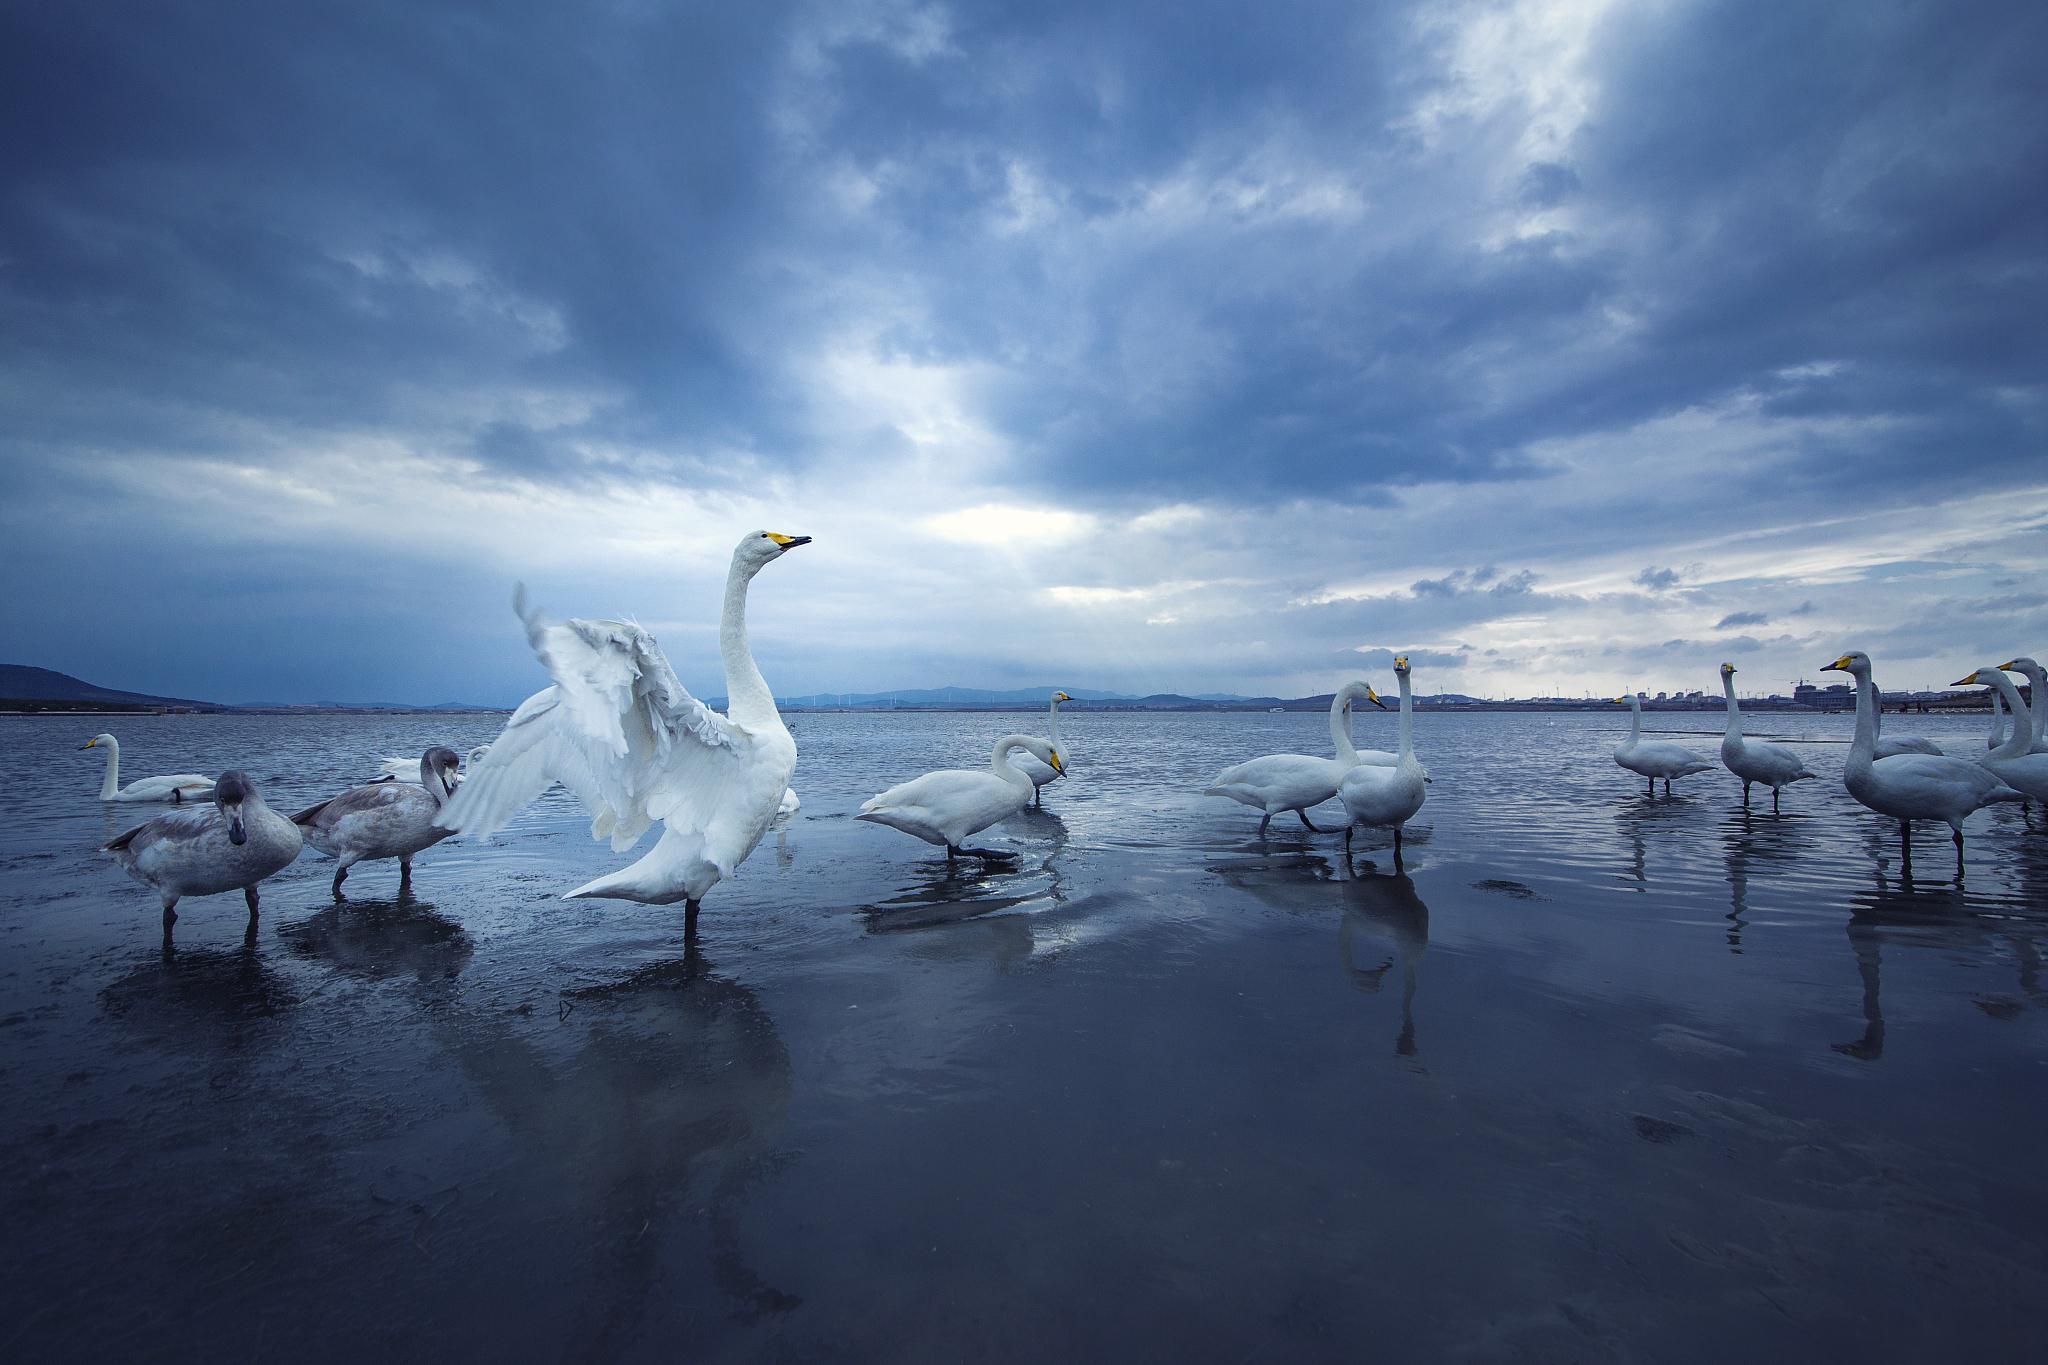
{"x":1302,"y":816}
{"x":989,"y":855}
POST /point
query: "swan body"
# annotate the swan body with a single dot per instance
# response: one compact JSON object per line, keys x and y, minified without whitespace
{"x":1283,"y":782}
{"x":620,"y":731}
{"x":1909,"y":787}
{"x":1042,"y":773}
{"x":1774,"y":765}
{"x":408,"y":769}
{"x":2015,"y":762}
{"x":231,"y":845}
{"x":384,"y":819}
{"x":1996,"y":739}
{"x":2037,"y":711}
{"x":1655,"y":758}
{"x":1387,"y":797}
{"x":790,"y":804}
{"x":945,"y":807}
{"x":176,"y":787}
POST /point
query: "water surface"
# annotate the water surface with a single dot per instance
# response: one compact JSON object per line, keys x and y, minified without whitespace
{"x":1596,"y":1076}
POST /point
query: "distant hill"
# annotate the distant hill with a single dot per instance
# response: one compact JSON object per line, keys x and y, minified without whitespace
{"x":25,"y":688}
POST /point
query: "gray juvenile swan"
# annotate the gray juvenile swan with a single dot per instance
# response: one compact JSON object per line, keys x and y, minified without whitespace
{"x":231,"y":845}
{"x":384,"y":819}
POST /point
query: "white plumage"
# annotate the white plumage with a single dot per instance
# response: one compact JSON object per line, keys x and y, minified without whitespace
{"x":1655,"y":758}
{"x":1283,"y":782}
{"x":1387,"y":797}
{"x":1042,"y":773}
{"x":1774,"y":765}
{"x":2017,"y":762}
{"x":1911,"y":787}
{"x":946,"y":806}
{"x":2037,"y":710}
{"x":176,"y":787}
{"x":409,"y":770}
{"x":620,"y":731}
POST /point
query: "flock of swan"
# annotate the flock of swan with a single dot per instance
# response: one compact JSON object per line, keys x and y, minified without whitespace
{"x":618,"y":729}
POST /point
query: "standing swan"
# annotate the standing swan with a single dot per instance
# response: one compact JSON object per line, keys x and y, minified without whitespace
{"x":1656,"y":758}
{"x":2037,"y":683}
{"x":1387,"y":796}
{"x":384,"y":819}
{"x":2016,"y":762}
{"x":1774,"y":765}
{"x":1911,"y":787}
{"x":1283,"y":782}
{"x":178,"y":787}
{"x":946,"y":806}
{"x":620,"y":731}
{"x":236,"y":844}
{"x":1042,"y":773}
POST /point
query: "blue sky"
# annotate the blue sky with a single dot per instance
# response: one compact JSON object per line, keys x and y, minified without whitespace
{"x":1198,"y":347}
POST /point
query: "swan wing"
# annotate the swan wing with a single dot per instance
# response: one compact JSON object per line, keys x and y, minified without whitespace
{"x":619,"y":730}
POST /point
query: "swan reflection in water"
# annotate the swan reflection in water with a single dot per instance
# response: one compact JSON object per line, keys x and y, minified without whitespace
{"x":376,"y":940}
{"x":956,"y":891}
{"x":1750,"y":843}
{"x":200,"y":998}
{"x":1384,"y":908}
{"x":666,"y":1102}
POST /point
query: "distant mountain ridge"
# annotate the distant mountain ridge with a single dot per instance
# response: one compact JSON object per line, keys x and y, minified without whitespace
{"x":26,"y":683}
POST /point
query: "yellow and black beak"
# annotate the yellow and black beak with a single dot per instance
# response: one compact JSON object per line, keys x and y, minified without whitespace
{"x":1374,"y":697}
{"x":788,"y":542}
{"x":1973,"y":680}
{"x":1840,"y":665}
{"x":2007,"y":666}
{"x":1061,"y":696}
{"x":1620,"y":701}
{"x":1727,"y":668}
{"x":89,"y":743}
{"x":1058,"y":766}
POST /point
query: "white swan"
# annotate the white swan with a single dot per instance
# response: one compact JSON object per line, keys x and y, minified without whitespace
{"x":1909,"y":744}
{"x":945,"y":807}
{"x":384,"y":819}
{"x":1655,"y":758}
{"x":408,"y":769}
{"x":178,"y":787}
{"x":621,"y":732}
{"x":2037,"y":683}
{"x":790,"y":804}
{"x":1379,"y":796}
{"x":1042,"y":773}
{"x":1996,"y":738}
{"x":1774,"y":765}
{"x":1911,"y":787}
{"x":1283,"y":782}
{"x":2016,"y":762}
{"x":231,"y":845}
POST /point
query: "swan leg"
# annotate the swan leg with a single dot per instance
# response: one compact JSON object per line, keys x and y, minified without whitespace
{"x":404,"y":875}
{"x":1745,"y":791}
{"x":1667,"y":786}
{"x":1302,"y":816}
{"x":1265,"y":820}
{"x":1774,"y":800}
{"x":690,"y":908}
{"x":1906,"y":846}
{"x":255,"y":904}
{"x":1347,"y":839}
{"x":1649,"y":786}
{"x":1957,"y":831}
{"x":340,"y":876}
{"x":1037,"y":796}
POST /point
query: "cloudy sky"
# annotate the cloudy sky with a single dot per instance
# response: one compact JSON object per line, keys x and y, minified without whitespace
{"x":1180,"y":346}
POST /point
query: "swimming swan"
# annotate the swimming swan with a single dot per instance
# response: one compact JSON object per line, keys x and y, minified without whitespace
{"x":1042,"y":773}
{"x":1774,"y":765}
{"x":178,"y":787}
{"x":1911,"y":787}
{"x":945,"y":807}
{"x":1283,"y":782}
{"x":2015,"y":762}
{"x":384,"y":819}
{"x":621,"y":732}
{"x":1655,"y":758}
{"x":234,"y":843}
{"x":1387,"y":796}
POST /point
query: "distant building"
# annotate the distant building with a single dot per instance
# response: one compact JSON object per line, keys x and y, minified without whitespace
{"x":1835,"y":697}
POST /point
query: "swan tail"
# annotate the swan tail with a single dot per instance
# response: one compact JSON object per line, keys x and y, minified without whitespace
{"x":675,"y":869}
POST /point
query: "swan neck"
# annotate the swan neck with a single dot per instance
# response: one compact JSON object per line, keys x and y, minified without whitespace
{"x":2022,"y":737}
{"x":1864,"y":745}
{"x":747,"y":697}
{"x":1635,"y":719}
{"x":110,"y":782}
{"x":1734,"y":707}
{"x":1054,"y":707}
{"x":1407,"y":753}
{"x":1005,"y":769}
{"x":2037,"y":708}
{"x":1340,"y":724}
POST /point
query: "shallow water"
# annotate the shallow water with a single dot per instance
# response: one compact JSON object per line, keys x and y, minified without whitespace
{"x":1601,"y":1077}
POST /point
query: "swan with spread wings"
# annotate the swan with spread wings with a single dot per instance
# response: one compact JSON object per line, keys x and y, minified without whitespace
{"x":620,"y":731}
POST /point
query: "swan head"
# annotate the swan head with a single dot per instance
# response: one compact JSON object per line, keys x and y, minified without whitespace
{"x":764,"y":547}
{"x":1981,"y":678}
{"x":233,"y":791}
{"x":438,"y":767}
{"x":1401,"y":665}
{"x":1855,"y":662}
{"x":2020,"y":665}
{"x":1043,"y":752}
{"x":1370,"y":696}
{"x":476,"y":755}
{"x":1059,"y":697}
{"x":1727,"y":670}
{"x":97,"y":740}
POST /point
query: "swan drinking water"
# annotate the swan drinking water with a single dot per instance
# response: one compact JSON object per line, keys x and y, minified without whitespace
{"x":1655,"y":758}
{"x":1042,"y":773}
{"x":234,"y":844}
{"x":177,"y":787}
{"x":1283,"y":782}
{"x":1911,"y":787}
{"x":620,"y":731}
{"x":1774,"y":765}
{"x":945,"y":807}
{"x":1381,"y":797}
{"x":384,"y":819}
